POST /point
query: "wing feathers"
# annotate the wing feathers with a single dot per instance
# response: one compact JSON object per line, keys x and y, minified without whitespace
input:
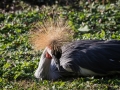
{"x":96,"y":55}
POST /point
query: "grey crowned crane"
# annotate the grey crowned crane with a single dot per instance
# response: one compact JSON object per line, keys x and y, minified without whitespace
{"x":81,"y":57}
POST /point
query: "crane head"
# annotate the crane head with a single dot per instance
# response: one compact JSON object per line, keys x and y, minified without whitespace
{"x":54,"y":52}
{"x":50,"y":35}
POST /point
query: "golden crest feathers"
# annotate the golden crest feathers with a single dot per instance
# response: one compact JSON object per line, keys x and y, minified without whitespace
{"x":53,"y":33}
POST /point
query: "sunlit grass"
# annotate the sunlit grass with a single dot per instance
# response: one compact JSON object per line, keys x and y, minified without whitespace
{"x":80,"y":83}
{"x":18,"y":61}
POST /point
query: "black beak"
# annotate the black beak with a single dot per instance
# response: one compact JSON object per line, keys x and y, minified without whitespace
{"x":57,"y":61}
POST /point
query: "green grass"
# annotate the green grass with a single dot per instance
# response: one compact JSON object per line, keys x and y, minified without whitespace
{"x":86,"y":83}
{"x":18,"y":60}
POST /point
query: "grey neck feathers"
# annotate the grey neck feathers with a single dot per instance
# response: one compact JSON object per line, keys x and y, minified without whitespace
{"x":47,"y":68}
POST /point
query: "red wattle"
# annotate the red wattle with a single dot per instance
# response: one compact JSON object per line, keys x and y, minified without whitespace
{"x":48,"y":56}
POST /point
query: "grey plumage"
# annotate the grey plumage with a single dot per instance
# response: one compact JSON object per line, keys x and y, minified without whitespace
{"x":84,"y":58}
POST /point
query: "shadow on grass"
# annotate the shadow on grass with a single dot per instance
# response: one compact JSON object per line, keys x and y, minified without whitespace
{"x":99,"y":79}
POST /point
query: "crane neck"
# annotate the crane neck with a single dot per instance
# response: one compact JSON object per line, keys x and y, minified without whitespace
{"x":46,"y":68}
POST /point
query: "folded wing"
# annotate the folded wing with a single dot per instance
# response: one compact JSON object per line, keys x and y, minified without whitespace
{"x":99,"y":56}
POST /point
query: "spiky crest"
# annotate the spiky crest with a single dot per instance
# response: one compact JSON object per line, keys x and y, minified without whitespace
{"x":50,"y":33}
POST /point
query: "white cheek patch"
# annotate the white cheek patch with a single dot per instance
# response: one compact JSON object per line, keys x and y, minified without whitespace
{"x":49,"y":51}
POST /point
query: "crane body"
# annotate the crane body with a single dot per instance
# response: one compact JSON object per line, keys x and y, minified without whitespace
{"x":81,"y":58}
{"x":64,"y":57}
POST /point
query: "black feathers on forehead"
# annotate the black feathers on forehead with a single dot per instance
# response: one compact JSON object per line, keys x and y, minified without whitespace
{"x":57,"y":54}
{"x":56,"y":49}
